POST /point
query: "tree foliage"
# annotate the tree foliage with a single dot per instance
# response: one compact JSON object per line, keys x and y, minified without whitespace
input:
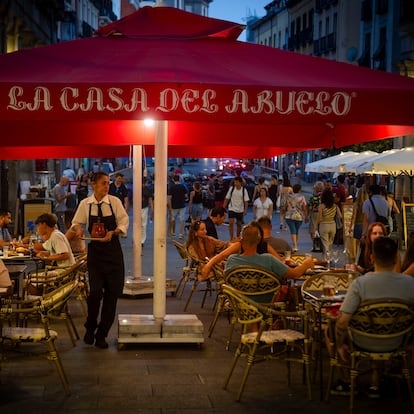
{"x":377,"y":146}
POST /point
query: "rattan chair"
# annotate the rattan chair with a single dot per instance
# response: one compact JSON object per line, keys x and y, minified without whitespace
{"x":50,"y":279}
{"x":209,"y":286}
{"x":189,"y":271}
{"x":319,"y":318}
{"x":377,"y":321}
{"x":258,"y":283}
{"x":290,"y":345}
{"x":41,"y":309}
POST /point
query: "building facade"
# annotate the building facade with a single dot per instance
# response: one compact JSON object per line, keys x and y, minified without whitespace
{"x":378,"y":34}
{"x":31,"y":23}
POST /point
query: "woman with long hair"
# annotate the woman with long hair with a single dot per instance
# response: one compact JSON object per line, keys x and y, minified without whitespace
{"x":357,"y":220}
{"x":327,"y":211}
{"x":365,"y":263}
{"x":295,"y":213}
{"x":313,"y":204}
{"x":285,"y":190}
{"x":195,"y":204}
{"x":202,"y":247}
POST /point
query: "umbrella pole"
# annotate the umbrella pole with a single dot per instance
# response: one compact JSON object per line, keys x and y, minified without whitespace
{"x":160,"y":222}
{"x":137,"y":210}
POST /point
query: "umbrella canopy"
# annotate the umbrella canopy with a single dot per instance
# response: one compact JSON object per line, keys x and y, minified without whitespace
{"x":167,"y":64}
{"x":330,"y":163}
{"x":393,"y":162}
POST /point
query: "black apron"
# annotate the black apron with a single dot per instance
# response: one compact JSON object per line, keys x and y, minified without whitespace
{"x":106,"y":276}
{"x":106,"y":257}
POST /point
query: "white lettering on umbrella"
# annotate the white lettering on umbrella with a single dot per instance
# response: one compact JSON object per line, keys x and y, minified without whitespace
{"x":41,"y":96}
{"x":74,"y":93}
{"x":115,"y":99}
{"x":304,"y":102}
{"x":170,"y":100}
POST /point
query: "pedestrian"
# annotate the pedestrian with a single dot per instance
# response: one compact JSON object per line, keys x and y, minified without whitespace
{"x":262,"y":205}
{"x":119,"y":189}
{"x":195,"y":204}
{"x":211,"y":192}
{"x":285,"y":190}
{"x":327,"y":211}
{"x":105,"y":259}
{"x":216,"y":218}
{"x":177,"y":195}
{"x":295,"y":212}
{"x":70,"y":173}
{"x":147,"y":210}
{"x":273,"y":191}
{"x":60,"y":193}
{"x":236,"y":202}
{"x":313,"y":204}
{"x":220,"y":191}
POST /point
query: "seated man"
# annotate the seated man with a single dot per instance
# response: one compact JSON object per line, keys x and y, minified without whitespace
{"x":261,"y":247}
{"x":250,"y":238}
{"x":216,"y":217}
{"x":280,"y":245}
{"x":56,"y":248}
{"x":382,"y":283}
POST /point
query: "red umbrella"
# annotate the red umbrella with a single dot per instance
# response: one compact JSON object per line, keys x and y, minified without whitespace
{"x":163,"y":63}
{"x":189,"y":70}
{"x":114,"y":151}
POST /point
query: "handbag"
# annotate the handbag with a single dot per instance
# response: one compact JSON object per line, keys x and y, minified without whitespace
{"x":317,"y":242}
{"x":338,"y":222}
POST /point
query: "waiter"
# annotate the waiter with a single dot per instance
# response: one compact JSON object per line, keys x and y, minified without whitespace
{"x":105,"y":258}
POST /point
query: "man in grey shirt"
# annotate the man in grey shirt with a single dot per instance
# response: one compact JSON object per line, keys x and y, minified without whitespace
{"x":382,"y":283}
{"x":381,"y":207}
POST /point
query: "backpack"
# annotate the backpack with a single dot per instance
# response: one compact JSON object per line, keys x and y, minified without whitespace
{"x":379,"y":218}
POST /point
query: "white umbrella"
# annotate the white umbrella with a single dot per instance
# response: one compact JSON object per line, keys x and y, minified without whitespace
{"x":351,"y":164}
{"x":329,"y":164}
{"x":393,"y":162}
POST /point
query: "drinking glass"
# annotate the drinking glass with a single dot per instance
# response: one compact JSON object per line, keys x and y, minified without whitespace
{"x":6,"y":249}
{"x":335,"y":257}
{"x":327,"y":258}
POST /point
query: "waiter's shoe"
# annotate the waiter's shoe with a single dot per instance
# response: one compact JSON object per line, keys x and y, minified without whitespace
{"x":100,"y":342}
{"x":89,"y":337}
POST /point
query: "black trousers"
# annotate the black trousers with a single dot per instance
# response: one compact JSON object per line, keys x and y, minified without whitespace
{"x":106,"y":282}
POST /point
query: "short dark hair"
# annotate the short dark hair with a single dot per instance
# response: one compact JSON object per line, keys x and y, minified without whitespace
{"x":384,"y":250}
{"x":218,"y":211}
{"x":118,"y":174}
{"x":98,"y":175}
{"x":251,"y":235}
{"x":48,"y":218}
{"x":176,"y":177}
{"x":265,"y":222}
{"x":374,"y":189}
{"x":4,"y":212}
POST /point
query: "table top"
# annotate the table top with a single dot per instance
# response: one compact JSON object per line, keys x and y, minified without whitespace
{"x":316,"y":297}
{"x":16,"y":258}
